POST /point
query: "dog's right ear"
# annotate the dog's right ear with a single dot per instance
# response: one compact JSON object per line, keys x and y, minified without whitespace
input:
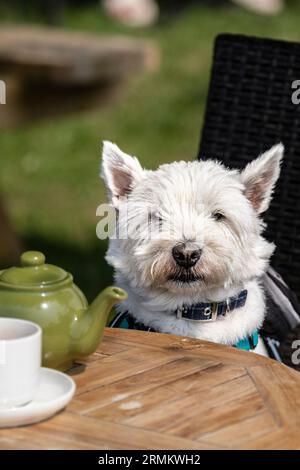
{"x":120,"y":171}
{"x":260,"y":176}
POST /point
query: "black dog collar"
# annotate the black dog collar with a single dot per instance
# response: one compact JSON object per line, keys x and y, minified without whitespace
{"x":209,"y":311}
{"x":202,"y":312}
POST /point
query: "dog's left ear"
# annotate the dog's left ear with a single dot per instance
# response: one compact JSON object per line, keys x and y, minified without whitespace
{"x":120,"y":171}
{"x":260,"y":176}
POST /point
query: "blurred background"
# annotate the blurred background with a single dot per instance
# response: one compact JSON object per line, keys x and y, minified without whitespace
{"x":77,"y":72}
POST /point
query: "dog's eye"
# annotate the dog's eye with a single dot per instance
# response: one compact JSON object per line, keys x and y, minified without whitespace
{"x":218,"y":216}
{"x":159,"y":220}
{"x":156,"y":217}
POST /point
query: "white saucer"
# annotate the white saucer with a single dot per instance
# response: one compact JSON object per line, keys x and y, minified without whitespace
{"x":53,"y":394}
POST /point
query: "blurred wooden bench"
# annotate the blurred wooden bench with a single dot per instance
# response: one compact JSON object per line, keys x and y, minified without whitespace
{"x":50,"y":71}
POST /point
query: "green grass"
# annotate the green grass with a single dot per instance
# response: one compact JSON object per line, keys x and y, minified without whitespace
{"x":49,"y":171}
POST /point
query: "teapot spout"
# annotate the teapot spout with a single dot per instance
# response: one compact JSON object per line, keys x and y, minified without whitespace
{"x":101,"y":306}
{"x":88,"y":326}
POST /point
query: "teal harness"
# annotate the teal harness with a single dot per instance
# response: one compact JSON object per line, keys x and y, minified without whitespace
{"x":248,"y":343}
{"x":125,"y":320}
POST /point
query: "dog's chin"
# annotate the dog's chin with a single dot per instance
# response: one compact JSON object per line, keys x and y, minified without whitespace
{"x":184,"y":280}
{"x":185,"y":277}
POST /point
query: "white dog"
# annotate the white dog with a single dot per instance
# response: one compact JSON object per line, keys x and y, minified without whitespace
{"x":198,"y":273}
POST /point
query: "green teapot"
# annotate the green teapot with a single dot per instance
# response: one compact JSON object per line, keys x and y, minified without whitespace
{"x":45,"y":294}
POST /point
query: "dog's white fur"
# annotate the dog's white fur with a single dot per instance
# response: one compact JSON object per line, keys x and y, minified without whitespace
{"x":185,"y":196}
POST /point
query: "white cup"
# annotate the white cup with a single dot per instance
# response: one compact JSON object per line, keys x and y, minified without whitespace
{"x":20,"y":361}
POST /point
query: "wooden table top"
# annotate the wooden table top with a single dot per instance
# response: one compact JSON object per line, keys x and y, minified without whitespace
{"x":152,"y":391}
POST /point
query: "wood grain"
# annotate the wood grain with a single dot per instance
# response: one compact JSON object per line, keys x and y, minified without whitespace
{"x":153,"y":391}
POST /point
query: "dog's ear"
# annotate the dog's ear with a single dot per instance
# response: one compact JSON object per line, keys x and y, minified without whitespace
{"x":120,"y":171}
{"x":260,"y":176}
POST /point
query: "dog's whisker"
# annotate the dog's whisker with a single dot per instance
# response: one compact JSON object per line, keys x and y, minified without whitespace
{"x":152,"y":268}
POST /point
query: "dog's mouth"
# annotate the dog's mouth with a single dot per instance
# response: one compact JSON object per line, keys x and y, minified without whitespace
{"x":185,"y":277}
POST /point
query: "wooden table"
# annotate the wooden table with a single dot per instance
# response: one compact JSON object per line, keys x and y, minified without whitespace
{"x":152,"y":391}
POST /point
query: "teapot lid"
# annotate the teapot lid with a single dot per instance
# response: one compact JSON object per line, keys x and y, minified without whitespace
{"x":34,"y":272}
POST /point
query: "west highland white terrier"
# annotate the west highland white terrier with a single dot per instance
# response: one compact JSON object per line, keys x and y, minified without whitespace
{"x":191,"y":250}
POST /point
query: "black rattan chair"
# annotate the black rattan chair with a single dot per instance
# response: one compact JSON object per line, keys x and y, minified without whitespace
{"x":249,"y":108}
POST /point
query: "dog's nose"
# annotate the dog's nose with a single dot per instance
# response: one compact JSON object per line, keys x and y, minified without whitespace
{"x":186,"y":256}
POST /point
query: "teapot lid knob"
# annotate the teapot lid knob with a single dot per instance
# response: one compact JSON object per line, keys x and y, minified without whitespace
{"x":32,"y":258}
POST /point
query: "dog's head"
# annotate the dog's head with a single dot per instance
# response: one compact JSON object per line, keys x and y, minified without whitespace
{"x":189,"y":226}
